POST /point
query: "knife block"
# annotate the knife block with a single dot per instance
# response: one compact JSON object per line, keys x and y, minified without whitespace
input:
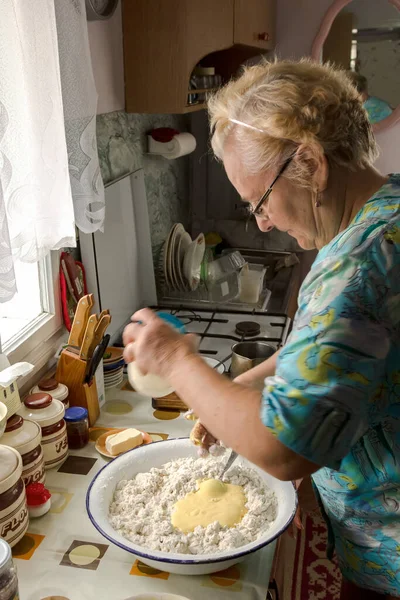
{"x":71,"y":371}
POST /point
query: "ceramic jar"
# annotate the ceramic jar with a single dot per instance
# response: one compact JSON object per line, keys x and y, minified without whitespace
{"x":49,"y":414}
{"x":25,"y":437}
{"x":59,"y":391}
{"x":14,"y":518}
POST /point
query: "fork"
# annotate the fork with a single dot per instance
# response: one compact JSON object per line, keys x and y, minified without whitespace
{"x":233,"y":456}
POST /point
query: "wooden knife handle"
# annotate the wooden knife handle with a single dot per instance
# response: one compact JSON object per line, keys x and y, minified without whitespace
{"x":81,"y":317}
{"x":101,"y":327}
{"x":88,"y":338}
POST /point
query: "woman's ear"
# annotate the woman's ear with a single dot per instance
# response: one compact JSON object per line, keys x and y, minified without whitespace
{"x":312,"y":160}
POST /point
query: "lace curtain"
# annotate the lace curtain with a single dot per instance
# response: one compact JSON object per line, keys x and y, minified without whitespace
{"x":49,"y":169}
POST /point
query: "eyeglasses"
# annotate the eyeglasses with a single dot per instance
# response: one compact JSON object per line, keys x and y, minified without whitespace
{"x":257,"y":211}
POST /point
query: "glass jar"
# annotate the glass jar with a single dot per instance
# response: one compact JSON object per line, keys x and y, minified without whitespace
{"x":77,"y":421}
{"x":8,"y":574}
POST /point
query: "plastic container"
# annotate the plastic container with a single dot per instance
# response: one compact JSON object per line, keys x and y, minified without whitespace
{"x":223,"y":266}
{"x":25,"y":436}
{"x":14,"y":518}
{"x":59,"y":391}
{"x":77,"y":420}
{"x":8,"y":574}
{"x":49,"y":414}
{"x":251,"y":283}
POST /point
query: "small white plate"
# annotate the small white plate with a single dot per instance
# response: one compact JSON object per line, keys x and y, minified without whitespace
{"x":166,"y":256}
{"x":184,"y":241}
{"x":192,"y":261}
{"x":178,"y":231}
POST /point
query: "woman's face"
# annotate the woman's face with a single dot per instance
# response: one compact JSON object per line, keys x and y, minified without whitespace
{"x":288,"y":208}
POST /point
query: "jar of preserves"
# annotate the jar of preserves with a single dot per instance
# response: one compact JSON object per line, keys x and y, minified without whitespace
{"x":26,"y":436}
{"x":8,"y":574}
{"x":59,"y":391}
{"x":49,"y":414}
{"x":77,"y":421}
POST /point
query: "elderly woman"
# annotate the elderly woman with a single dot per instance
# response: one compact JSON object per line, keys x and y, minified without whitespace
{"x":296,"y":143}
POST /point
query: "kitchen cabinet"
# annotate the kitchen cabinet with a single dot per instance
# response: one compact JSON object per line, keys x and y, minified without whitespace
{"x":165,"y":39}
{"x":254,"y":23}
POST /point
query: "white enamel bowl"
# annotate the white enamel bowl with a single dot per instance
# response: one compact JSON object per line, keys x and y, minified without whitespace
{"x":141,"y":460}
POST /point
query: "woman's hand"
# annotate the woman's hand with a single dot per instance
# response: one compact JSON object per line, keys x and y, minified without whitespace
{"x":204,"y":440}
{"x":154,"y":345}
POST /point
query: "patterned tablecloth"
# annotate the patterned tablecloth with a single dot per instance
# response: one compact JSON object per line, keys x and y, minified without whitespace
{"x":62,"y":555}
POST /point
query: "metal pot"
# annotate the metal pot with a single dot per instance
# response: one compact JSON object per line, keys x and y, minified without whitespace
{"x":246,"y":355}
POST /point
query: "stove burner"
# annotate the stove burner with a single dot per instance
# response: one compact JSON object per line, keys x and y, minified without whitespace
{"x":248,"y":328}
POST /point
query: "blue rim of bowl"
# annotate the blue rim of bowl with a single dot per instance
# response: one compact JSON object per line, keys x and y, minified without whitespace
{"x":176,"y":561}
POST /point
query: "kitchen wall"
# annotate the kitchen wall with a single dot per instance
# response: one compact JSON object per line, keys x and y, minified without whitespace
{"x":121,"y":137}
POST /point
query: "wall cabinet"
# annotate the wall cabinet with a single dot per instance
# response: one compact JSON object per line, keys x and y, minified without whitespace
{"x":254,"y":23}
{"x":165,"y":39}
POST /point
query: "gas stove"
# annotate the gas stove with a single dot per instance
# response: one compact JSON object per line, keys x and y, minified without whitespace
{"x":220,"y":329}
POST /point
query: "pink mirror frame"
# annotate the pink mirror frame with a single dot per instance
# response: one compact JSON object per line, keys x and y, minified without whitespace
{"x":316,"y":53}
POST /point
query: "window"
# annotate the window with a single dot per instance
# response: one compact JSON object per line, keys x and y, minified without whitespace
{"x":33,"y":316}
{"x":25,"y":306}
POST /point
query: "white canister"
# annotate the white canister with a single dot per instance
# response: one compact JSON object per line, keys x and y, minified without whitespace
{"x":14,"y":518}
{"x":59,"y":391}
{"x":25,"y":437}
{"x":49,"y":414}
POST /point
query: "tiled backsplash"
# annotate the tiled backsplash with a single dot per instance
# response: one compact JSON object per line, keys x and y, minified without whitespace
{"x":121,"y":140}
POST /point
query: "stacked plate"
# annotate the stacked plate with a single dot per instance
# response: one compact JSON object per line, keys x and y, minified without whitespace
{"x":113,"y":367}
{"x":181,"y":259}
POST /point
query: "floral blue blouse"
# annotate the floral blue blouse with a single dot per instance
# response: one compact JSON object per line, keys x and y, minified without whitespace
{"x":335,"y":397}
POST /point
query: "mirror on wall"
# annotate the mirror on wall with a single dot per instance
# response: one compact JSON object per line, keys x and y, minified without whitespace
{"x":363,"y":37}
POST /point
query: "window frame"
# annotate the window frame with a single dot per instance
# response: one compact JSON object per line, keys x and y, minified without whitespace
{"x":39,"y":340}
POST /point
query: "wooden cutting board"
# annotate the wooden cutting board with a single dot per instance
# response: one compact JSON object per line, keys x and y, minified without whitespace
{"x":170,"y":402}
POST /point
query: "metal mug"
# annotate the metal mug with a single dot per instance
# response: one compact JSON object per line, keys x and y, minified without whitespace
{"x":246,"y":355}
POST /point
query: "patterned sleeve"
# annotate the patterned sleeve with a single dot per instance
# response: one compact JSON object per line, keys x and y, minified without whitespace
{"x":318,"y":402}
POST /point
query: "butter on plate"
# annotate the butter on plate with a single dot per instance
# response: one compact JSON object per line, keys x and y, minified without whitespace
{"x":123,"y":441}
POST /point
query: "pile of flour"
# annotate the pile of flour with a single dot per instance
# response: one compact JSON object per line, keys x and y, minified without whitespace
{"x":141,"y":508}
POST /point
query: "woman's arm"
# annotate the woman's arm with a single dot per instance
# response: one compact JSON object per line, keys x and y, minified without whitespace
{"x":231,"y":412}
{"x":255,"y":377}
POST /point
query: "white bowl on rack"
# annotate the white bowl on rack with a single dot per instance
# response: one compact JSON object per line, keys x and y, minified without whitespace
{"x":144,"y":458}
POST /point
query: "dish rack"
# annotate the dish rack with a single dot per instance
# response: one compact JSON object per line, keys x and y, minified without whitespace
{"x":201,"y":297}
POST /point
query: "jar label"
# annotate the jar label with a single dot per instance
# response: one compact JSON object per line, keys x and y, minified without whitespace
{"x":55,"y":448}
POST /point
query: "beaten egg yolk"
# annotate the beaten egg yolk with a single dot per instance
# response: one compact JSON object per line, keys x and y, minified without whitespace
{"x":213,"y":501}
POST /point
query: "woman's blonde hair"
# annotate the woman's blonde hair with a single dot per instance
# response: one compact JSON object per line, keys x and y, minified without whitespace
{"x":294,"y":104}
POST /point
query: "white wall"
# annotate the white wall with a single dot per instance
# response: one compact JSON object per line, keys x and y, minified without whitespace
{"x":297,"y":24}
{"x":105,"y":39}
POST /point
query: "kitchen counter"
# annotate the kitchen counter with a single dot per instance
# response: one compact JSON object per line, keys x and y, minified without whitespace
{"x":62,"y":554}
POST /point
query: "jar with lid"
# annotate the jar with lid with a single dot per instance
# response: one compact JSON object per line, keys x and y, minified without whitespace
{"x":59,"y":391}
{"x":26,"y":436}
{"x":8,"y":574}
{"x":49,"y":414}
{"x":77,"y":421}
{"x":14,"y":518}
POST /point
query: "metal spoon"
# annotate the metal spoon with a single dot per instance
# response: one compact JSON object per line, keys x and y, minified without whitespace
{"x":233,"y":456}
